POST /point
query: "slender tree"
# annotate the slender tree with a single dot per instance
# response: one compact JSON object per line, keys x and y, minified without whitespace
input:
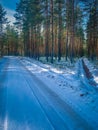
{"x":52,"y":29}
{"x":3,"y":20}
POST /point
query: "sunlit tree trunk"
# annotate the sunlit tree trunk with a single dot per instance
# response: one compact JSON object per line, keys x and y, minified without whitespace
{"x":52,"y":31}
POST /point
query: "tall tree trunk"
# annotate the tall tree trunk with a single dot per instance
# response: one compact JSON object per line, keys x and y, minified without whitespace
{"x":72,"y":33}
{"x":67,"y":38}
{"x":46,"y":33}
{"x":52,"y":30}
{"x":59,"y":31}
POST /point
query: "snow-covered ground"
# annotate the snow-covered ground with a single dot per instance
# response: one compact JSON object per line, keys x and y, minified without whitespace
{"x":71,"y":85}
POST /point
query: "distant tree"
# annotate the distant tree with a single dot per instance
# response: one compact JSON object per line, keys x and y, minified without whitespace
{"x":28,"y":16}
{"x":92,"y":29}
{"x":3,"y":20}
{"x":11,"y":43}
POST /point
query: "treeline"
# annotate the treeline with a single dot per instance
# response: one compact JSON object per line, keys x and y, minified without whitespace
{"x":52,"y":29}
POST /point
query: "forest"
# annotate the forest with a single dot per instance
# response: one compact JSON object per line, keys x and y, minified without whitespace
{"x":52,"y":29}
{"x":48,"y":64}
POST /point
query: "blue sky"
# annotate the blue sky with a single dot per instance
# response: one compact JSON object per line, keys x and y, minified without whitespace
{"x":9,"y":6}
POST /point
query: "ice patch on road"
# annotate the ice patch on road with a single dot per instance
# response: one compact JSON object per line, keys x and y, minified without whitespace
{"x":6,"y":124}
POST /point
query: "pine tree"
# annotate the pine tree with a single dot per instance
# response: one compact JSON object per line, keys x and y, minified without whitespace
{"x":52,"y":29}
{"x":3,"y":20}
{"x":11,"y":42}
{"x":47,"y":29}
{"x":92,"y":29}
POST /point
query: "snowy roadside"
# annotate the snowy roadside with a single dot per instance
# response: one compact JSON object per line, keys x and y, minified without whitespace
{"x":69,"y":87}
{"x":86,"y":76}
{"x":93,"y":69}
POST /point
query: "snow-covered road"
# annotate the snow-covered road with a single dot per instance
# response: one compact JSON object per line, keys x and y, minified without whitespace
{"x":26,"y":103}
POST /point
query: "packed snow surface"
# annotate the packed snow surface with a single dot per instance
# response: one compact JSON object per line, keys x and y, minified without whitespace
{"x":37,"y":96}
